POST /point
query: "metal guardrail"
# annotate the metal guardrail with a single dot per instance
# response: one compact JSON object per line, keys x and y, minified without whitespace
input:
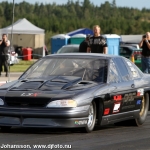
{"x":14,"y":59}
{"x":22,"y":56}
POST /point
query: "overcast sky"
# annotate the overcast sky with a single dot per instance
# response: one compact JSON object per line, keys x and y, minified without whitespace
{"x":123,"y":3}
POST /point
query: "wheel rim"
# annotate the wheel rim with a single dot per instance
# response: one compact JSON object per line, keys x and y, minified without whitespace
{"x":91,"y":116}
{"x":142,"y":107}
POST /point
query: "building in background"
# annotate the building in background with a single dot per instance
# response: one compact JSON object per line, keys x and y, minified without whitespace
{"x":26,"y":34}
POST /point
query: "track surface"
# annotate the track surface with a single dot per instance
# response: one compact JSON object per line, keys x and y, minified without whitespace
{"x":105,"y":138}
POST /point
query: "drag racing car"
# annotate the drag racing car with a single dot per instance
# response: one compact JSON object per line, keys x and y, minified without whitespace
{"x":76,"y":90}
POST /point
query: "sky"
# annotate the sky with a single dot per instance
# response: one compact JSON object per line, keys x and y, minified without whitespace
{"x":120,"y":3}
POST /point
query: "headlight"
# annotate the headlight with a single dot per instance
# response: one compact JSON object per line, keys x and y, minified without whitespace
{"x":1,"y":102}
{"x":62,"y":103}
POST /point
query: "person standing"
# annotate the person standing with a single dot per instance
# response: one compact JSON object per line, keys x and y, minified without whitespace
{"x":84,"y":44}
{"x":4,"y":46}
{"x":97,"y":43}
{"x":145,"y":45}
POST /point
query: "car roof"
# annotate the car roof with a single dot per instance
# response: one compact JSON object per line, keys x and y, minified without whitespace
{"x":71,"y":45}
{"x":131,"y":47}
{"x":86,"y":55}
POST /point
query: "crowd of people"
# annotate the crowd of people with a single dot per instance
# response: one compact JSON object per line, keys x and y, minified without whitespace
{"x":92,"y":44}
{"x":98,"y":44}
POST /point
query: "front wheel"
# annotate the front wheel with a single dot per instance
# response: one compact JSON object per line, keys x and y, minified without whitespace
{"x":91,"y":118}
{"x":144,"y":110}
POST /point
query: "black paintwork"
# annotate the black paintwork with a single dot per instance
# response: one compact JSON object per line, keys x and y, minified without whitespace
{"x":25,"y":100}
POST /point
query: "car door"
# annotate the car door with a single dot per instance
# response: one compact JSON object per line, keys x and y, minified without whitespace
{"x":137,"y":77}
{"x":122,"y":89}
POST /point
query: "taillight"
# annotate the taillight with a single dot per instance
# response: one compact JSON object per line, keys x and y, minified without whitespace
{"x":135,"y":53}
{"x":138,"y":53}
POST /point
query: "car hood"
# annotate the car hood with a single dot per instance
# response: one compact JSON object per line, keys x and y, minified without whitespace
{"x":39,"y":92}
{"x":52,"y":84}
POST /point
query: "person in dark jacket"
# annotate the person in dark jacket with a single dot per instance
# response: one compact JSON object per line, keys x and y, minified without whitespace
{"x":84,"y":44}
{"x":145,"y":45}
{"x":4,"y":46}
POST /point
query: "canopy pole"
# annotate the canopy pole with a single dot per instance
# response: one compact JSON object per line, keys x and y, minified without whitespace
{"x":11,"y":40}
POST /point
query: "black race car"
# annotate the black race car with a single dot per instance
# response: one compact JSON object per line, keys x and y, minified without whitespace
{"x":76,"y":91}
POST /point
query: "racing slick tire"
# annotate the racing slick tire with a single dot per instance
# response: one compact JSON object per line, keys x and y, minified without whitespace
{"x":91,"y":118}
{"x":143,"y":111}
{"x":5,"y":129}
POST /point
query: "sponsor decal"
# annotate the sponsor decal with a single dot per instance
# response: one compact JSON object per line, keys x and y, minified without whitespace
{"x":140,"y":92}
{"x":129,"y":64}
{"x":126,"y":98}
{"x":116,"y":107}
{"x":134,"y":72}
{"x":129,"y":98}
{"x":30,"y":94}
{"x":128,"y":101}
{"x":117,"y":97}
{"x":80,"y":122}
{"x":132,"y":69}
{"x":138,"y":102}
{"x":106,"y":111}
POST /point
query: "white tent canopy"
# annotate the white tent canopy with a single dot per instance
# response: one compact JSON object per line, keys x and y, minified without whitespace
{"x":26,"y":34}
{"x":131,"y":38}
{"x":22,"y":26}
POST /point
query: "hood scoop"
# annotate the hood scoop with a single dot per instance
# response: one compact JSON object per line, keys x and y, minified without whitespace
{"x":28,"y":85}
{"x":56,"y":83}
{"x":59,"y":83}
{"x":84,"y":82}
{"x":70,"y":84}
{"x":65,"y":79}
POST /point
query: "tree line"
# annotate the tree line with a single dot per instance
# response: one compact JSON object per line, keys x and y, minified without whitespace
{"x":61,"y":19}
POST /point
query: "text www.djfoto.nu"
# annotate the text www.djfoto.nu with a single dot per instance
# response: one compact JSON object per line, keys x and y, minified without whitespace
{"x":49,"y":146}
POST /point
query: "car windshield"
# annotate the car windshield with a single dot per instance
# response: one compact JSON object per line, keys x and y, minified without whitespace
{"x":72,"y":49}
{"x":88,"y":69}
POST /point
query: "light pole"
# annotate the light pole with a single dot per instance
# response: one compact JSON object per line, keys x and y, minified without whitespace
{"x":11,"y":40}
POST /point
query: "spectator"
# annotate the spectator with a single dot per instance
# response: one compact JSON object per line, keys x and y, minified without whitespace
{"x":97,"y":43}
{"x":46,"y":50}
{"x":84,"y":45}
{"x":145,"y":45}
{"x":4,"y":46}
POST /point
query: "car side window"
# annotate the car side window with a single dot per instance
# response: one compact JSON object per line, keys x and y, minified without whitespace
{"x":132,"y":69}
{"x":113,"y":73}
{"x":125,"y":52}
{"x":122,"y":68}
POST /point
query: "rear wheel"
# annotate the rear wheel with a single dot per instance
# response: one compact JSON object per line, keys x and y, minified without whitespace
{"x":91,"y":118}
{"x":144,"y":110}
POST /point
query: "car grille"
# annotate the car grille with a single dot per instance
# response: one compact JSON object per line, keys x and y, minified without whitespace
{"x":26,"y":102}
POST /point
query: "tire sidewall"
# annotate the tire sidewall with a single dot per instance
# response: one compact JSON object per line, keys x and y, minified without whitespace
{"x":141,"y":119}
{"x":89,"y":129}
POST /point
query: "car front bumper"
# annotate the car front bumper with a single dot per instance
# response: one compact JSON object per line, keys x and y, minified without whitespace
{"x":50,"y":118}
